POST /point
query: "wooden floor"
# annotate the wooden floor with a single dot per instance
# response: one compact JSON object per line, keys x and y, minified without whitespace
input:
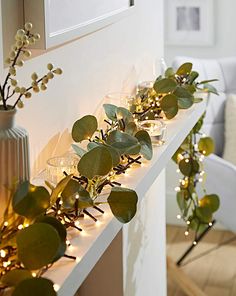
{"x":215,"y":273}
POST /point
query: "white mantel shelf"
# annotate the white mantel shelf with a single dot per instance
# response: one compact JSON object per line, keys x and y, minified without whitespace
{"x":89,"y":247}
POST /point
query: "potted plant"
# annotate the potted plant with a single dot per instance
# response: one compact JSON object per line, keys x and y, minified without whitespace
{"x":14,"y":155}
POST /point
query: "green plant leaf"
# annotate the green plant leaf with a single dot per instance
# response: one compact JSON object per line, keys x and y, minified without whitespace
{"x":96,"y":162}
{"x":181,"y":201}
{"x":210,"y":88}
{"x":175,"y":155}
{"x":123,"y":203}
{"x":185,"y":98}
{"x":199,"y":124}
{"x":125,"y":143}
{"x":189,"y":168}
{"x":59,"y":188}
{"x":196,"y":225}
{"x":36,"y":287}
{"x":30,"y":201}
{"x":114,"y":152}
{"x":184,"y":69}
{"x":204,"y":214}
{"x":212,"y":201}
{"x":125,"y":114}
{"x":13,"y":277}
{"x":193,"y":76}
{"x":169,"y":104}
{"x":69,"y":196}
{"x":110,"y":111}
{"x":164,"y":85}
{"x":206,"y":146}
{"x":131,"y":128}
{"x":190,"y":87}
{"x":59,"y":227}
{"x":37,"y":245}
{"x":197,"y":100}
{"x":84,"y":128}
{"x":61,"y":230}
{"x":169,"y":72}
{"x":78,"y":150}
{"x":146,"y":144}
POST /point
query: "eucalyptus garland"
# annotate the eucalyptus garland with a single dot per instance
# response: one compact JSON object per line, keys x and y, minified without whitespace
{"x":33,"y":235}
{"x":34,"y":232}
{"x":175,"y":91}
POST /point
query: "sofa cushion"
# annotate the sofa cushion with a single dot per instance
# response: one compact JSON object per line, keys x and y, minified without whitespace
{"x":230,"y":129}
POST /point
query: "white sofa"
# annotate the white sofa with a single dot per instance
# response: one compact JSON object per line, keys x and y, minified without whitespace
{"x":221,"y":175}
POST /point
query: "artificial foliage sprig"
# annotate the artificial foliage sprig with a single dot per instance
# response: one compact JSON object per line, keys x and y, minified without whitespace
{"x":11,"y":92}
{"x":170,"y":93}
{"x":39,"y":214}
{"x":196,"y":205}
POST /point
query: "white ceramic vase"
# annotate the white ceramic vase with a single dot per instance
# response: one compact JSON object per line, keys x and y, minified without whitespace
{"x":14,"y":156}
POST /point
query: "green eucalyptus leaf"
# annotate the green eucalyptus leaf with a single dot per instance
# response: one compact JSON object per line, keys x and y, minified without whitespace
{"x":110,"y":111}
{"x":61,"y":230}
{"x":146,"y":144}
{"x":211,"y":201}
{"x":96,"y":162}
{"x":197,"y":100}
{"x":196,"y":225}
{"x":164,"y":85}
{"x":181,"y":201}
{"x":169,"y":72}
{"x":175,"y":155}
{"x":92,"y":145}
{"x":72,"y":189}
{"x":123,"y":203}
{"x":182,"y":92}
{"x":204,"y":214}
{"x":37,"y":245}
{"x":84,"y":128}
{"x":198,"y":125}
{"x":210,"y":88}
{"x":15,"y":276}
{"x":190,"y":87}
{"x":185,"y":98}
{"x":206,"y":146}
{"x":30,"y":201}
{"x":169,"y":104}
{"x":35,"y":286}
{"x":189,"y":167}
{"x":59,"y":227}
{"x":131,"y":128}
{"x":114,"y":152}
{"x":78,"y":150}
{"x":185,"y":103}
{"x":125,"y":143}
{"x":59,"y":188}
{"x":125,"y":114}
{"x":184,"y":69}
{"x":193,"y":76}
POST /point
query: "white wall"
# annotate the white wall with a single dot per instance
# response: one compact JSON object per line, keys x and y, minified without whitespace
{"x":112,"y":59}
{"x":225,"y":38}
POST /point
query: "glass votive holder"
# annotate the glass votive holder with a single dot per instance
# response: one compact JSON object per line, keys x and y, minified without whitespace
{"x":145,"y":85}
{"x":119,"y":99}
{"x":156,"y":130}
{"x":56,"y":166}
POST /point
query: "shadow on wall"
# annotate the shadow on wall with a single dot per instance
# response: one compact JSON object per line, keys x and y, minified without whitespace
{"x":58,"y":145}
